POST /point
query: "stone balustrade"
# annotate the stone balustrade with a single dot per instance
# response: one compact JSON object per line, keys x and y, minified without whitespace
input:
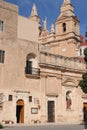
{"x":61,"y":61}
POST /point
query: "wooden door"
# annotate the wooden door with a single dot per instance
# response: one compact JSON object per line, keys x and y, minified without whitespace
{"x":20,"y":111}
{"x":85,"y":112}
{"x":51,"y":111}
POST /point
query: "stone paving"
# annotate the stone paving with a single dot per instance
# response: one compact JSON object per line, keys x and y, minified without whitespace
{"x":44,"y":127}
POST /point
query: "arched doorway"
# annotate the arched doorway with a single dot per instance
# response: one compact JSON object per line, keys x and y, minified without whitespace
{"x":20,"y":111}
{"x":85,"y":111}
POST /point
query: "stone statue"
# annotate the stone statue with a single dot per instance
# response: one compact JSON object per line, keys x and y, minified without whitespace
{"x":52,"y":28}
{"x":45,"y":23}
{"x":68,"y":100}
{"x":67,"y":1}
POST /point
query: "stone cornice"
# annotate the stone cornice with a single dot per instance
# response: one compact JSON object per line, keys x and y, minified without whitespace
{"x":61,"y":68}
{"x":48,"y":74}
{"x":67,"y":18}
{"x":63,"y":39}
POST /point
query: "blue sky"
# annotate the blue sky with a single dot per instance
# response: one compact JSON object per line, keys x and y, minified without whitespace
{"x":50,"y":9}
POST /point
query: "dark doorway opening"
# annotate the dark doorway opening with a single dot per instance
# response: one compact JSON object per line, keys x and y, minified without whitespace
{"x":51,"y":111}
{"x":20,"y":111}
{"x":85,"y":114}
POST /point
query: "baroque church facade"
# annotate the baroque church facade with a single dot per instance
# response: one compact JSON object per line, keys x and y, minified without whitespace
{"x":40,"y":70}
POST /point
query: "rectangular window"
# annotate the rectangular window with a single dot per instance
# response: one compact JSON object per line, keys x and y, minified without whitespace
{"x":80,"y":51}
{"x":10,"y":98}
{"x":1,"y":26}
{"x":2,"y":53}
{"x":30,"y":98}
{"x":1,"y":106}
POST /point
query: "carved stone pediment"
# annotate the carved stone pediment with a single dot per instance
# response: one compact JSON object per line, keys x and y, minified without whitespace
{"x":68,"y":81}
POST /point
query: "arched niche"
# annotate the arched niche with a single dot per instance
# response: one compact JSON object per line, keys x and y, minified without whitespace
{"x":68,"y":99}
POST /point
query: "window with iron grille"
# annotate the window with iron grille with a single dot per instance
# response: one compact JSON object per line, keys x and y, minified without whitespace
{"x":10,"y":98}
{"x":2,"y":53}
{"x":1,"y":26}
{"x":30,"y":98}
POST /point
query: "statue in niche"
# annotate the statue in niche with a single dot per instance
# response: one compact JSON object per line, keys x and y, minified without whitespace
{"x":68,"y":100}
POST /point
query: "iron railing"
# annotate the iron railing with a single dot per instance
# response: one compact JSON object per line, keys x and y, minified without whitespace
{"x":32,"y":71}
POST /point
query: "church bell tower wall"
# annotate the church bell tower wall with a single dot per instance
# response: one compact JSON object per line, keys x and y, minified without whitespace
{"x":9,"y":17}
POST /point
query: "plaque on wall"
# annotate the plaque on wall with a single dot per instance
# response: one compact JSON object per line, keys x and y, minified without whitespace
{"x":34,"y":110}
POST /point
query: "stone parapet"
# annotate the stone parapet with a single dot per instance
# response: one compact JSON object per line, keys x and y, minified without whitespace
{"x":62,"y":62}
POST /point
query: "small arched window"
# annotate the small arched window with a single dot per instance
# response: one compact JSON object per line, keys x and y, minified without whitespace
{"x":32,"y":65}
{"x":64,"y":27}
{"x":29,"y":60}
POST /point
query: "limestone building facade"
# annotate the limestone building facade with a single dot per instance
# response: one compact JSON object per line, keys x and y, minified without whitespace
{"x":40,"y":70}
